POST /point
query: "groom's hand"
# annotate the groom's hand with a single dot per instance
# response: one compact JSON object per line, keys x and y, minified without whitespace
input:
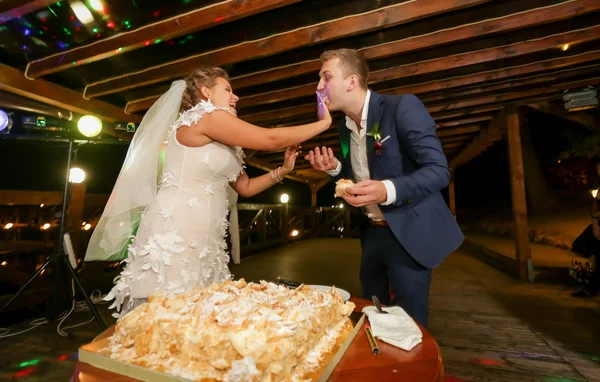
{"x":366,"y":193}
{"x":322,"y":159}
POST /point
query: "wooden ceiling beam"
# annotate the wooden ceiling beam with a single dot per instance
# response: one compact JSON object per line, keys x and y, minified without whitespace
{"x":481,"y":143}
{"x":502,"y":24}
{"x":179,"y":25}
{"x":271,"y":116}
{"x":16,"y":102}
{"x":452,"y":145}
{"x":458,"y":131}
{"x":464,"y":121}
{"x":515,"y":83}
{"x":443,"y":37}
{"x":471,"y":79}
{"x":12,"y":9}
{"x":13,"y":81}
{"x":464,"y":113}
{"x":384,"y":17}
{"x":488,"y":55}
{"x":538,"y":93}
{"x":457,"y":138}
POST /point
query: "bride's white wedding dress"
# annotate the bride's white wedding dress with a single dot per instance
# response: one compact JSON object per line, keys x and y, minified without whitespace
{"x":180,"y":243}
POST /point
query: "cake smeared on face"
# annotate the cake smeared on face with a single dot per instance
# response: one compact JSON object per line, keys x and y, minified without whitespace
{"x":235,"y":331}
{"x":341,"y":186}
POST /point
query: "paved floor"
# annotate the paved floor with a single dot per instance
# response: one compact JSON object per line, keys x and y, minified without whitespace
{"x":489,"y":326}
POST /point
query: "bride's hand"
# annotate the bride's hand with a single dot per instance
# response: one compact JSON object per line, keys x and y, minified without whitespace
{"x":289,"y":158}
{"x":322,"y":110}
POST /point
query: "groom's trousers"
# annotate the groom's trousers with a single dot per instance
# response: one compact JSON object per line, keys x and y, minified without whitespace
{"x":386,"y":266}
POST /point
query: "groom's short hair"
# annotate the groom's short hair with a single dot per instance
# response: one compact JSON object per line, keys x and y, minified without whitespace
{"x":353,"y":62}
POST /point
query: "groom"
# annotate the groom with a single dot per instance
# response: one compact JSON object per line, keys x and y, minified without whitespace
{"x":391,"y":150}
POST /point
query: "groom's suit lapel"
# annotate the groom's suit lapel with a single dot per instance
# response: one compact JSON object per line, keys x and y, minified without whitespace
{"x":376,"y":106}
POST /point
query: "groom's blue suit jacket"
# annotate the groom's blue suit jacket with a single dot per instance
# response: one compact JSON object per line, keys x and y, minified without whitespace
{"x":412,"y":158}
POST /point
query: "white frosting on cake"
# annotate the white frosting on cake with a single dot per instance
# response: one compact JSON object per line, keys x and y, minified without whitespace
{"x":234,"y":331}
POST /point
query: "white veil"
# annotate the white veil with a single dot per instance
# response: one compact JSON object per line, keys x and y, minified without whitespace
{"x":136,"y":186}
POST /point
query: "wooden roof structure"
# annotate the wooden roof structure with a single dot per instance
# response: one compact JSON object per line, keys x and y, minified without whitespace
{"x":465,"y":59}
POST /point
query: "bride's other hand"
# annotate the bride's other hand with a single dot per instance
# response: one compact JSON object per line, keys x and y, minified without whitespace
{"x":289,"y":158}
{"x":322,"y":110}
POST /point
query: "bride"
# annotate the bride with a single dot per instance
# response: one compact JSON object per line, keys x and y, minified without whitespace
{"x":170,"y":222}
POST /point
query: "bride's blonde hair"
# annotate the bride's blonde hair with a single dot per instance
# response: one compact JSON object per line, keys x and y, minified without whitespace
{"x":195,"y":80}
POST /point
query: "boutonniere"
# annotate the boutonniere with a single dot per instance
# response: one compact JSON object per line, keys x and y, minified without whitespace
{"x":376,"y":134}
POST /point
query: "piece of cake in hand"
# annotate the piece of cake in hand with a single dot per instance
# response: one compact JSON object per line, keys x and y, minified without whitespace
{"x":341,"y":186}
{"x":235,"y":332}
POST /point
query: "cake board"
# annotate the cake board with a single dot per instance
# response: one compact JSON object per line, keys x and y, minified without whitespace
{"x":90,"y":354}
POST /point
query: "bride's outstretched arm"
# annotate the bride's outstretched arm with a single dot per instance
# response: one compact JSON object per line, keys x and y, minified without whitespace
{"x":247,"y":187}
{"x":223,"y":127}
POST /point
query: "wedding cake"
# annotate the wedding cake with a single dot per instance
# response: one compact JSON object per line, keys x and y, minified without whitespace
{"x":235,"y":331}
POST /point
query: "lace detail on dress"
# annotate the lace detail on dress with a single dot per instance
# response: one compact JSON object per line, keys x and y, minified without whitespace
{"x":193,"y":115}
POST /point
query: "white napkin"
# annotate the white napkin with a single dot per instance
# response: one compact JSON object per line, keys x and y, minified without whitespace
{"x":396,"y":328}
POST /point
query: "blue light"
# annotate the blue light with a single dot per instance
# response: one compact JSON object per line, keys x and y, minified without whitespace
{"x":27,"y":32}
{"x":4,"y":122}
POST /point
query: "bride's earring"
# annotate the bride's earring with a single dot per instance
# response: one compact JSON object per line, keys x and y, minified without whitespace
{"x":210,"y":99}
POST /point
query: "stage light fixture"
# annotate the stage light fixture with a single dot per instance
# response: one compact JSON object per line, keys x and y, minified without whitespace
{"x":89,"y":125}
{"x":5,"y":122}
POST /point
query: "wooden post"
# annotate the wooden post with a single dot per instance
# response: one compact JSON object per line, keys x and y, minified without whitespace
{"x":262,"y":226}
{"x":519,"y":200}
{"x":451,"y":196}
{"x":313,"y":195}
{"x":75,"y":215}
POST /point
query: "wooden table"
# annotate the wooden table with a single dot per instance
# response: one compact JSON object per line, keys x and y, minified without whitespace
{"x":423,"y":363}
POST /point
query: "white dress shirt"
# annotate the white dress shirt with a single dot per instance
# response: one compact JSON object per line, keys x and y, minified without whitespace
{"x":360,"y":164}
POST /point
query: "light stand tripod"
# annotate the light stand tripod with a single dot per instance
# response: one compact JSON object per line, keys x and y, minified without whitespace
{"x":59,"y":256}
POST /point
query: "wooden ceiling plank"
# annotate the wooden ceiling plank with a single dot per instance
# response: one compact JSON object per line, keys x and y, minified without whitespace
{"x":13,"y":81}
{"x":384,"y":17}
{"x":176,"y":26}
{"x":487,"y":55}
{"x":514,"y":83}
{"x":464,"y":121}
{"x":485,"y":76}
{"x":458,"y":131}
{"x":452,"y":35}
{"x":519,"y":20}
{"x":271,"y":116}
{"x":13,"y":9}
{"x":480,"y":143}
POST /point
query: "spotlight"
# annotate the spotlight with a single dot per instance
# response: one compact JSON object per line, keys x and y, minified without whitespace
{"x":4,"y":263}
{"x":46,"y":226}
{"x":82,"y":12}
{"x":89,"y":125}
{"x":87,"y":227}
{"x":295,"y":233}
{"x":284,"y":198}
{"x":5,"y":122}
{"x":594,"y":193}
{"x":8,"y":226}
{"x":76,"y":175}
